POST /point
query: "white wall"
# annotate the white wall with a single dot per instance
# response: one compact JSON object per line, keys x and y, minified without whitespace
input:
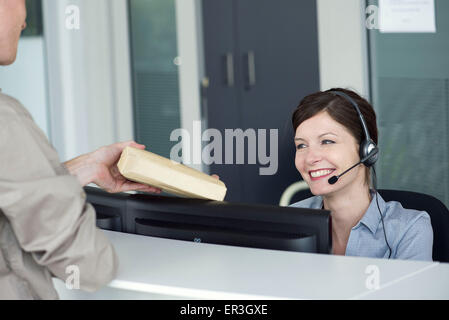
{"x":191,"y":70}
{"x":343,"y":58}
{"x":88,"y":75}
{"x":25,"y":80}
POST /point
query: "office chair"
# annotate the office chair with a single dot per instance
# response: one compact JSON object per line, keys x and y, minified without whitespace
{"x":439,"y":217}
{"x":292,"y":191}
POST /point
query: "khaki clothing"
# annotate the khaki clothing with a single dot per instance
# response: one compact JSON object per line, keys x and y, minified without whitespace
{"x":46,"y":226}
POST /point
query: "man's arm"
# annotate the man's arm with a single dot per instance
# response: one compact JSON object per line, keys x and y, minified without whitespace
{"x":46,"y":206}
{"x":100,"y":167}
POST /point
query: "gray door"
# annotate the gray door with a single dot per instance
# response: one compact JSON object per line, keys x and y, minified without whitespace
{"x":274,"y":47}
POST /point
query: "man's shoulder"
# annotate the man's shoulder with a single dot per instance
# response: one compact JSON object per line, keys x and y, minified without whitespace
{"x":6,"y":100}
{"x":10,"y":106}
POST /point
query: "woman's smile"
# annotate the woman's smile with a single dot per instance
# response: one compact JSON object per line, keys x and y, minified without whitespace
{"x":320,"y":173}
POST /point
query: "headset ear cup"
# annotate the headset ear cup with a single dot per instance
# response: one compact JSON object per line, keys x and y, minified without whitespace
{"x":365,"y":148}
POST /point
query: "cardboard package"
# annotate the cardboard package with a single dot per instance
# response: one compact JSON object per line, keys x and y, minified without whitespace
{"x":149,"y":168}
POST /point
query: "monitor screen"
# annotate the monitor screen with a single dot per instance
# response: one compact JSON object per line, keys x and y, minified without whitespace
{"x":216,"y":222}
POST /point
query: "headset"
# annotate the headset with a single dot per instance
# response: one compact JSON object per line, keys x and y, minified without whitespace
{"x":369,"y":153}
{"x":367,"y":145}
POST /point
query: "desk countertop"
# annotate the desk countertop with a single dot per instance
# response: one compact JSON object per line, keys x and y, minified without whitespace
{"x":179,"y":269}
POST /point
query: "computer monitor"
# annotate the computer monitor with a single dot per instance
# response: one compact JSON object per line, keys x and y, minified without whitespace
{"x":216,"y":222}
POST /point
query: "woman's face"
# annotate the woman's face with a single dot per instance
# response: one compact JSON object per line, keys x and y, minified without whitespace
{"x":325,"y":148}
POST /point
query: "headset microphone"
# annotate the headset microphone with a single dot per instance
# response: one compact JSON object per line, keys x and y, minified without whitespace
{"x":334,"y":179}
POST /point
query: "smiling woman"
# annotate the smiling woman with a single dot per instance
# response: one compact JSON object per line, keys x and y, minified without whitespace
{"x":320,"y":154}
{"x":334,"y":130}
{"x":343,"y":114}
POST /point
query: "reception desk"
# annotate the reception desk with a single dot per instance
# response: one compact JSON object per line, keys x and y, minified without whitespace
{"x":156,"y":268}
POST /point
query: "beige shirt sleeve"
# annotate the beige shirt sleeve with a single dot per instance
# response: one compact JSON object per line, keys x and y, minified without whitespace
{"x":46,"y":206}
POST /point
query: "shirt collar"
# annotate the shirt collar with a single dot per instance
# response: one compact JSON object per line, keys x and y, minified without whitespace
{"x":370,"y":219}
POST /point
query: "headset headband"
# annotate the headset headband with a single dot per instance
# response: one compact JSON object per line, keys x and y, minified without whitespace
{"x":368,"y":149}
{"x":362,"y":119}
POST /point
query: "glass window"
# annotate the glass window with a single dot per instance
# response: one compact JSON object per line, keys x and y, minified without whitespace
{"x":410,"y":92}
{"x":155,"y":73}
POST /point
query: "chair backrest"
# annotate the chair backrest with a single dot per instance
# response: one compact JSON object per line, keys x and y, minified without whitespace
{"x":439,"y":216}
{"x":291,"y":191}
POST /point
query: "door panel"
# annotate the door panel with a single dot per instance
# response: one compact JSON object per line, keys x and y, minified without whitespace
{"x":221,"y":101}
{"x":275,"y":46}
{"x":283,"y":37}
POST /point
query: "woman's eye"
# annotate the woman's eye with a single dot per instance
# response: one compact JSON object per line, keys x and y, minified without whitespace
{"x":300,"y":146}
{"x":328,"y":141}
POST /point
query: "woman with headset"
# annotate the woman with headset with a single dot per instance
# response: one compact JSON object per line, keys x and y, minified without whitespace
{"x":336,"y":144}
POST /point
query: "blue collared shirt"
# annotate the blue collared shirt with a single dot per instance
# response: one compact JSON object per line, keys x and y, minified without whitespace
{"x":409,"y":232}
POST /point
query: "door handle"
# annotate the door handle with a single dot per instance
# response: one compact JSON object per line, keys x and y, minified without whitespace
{"x":204,"y":108}
{"x":229,"y":69}
{"x":251,"y":78}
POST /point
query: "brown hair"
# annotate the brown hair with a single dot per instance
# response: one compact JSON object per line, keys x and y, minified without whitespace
{"x":341,"y":110}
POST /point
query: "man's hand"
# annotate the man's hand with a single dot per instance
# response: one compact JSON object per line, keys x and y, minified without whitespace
{"x":100,"y":167}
